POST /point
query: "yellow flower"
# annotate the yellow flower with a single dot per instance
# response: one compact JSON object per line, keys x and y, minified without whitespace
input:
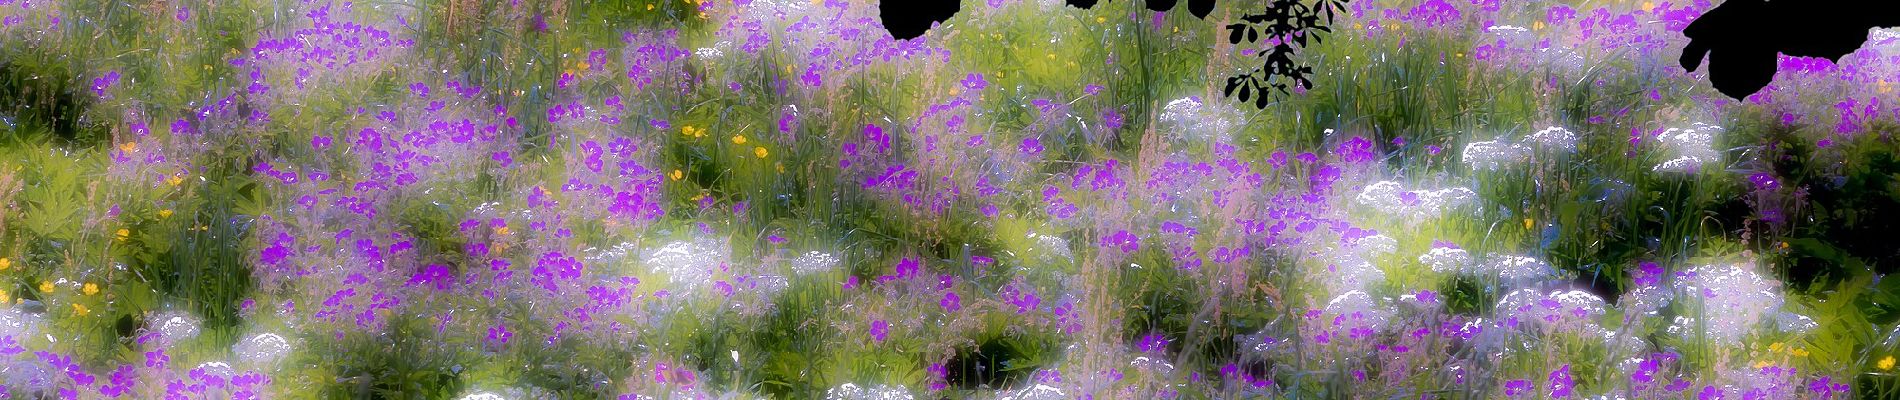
{"x":123,"y":234}
{"x":1799,"y":352}
{"x":1648,"y":5}
{"x":1527,"y":223}
{"x":1763,"y":364}
{"x":1775,"y":347}
{"x":90,"y":289}
{"x":129,"y":147}
{"x":5,"y":263}
{"x":1537,"y":26}
{"x":1101,"y":19}
{"x":649,"y":6}
{"x":5,"y":298}
{"x":174,"y":180}
{"x":677,"y":175}
{"x":690,"y":131}
{"x":167,"y":213}
{"x":759,"y":151}
{"x":1885,"y":363}
{"x":46,"y":286}
{"x":81,"y":309}
{"x":738,"y":139}
{"x":501,"y":230}
{"x":780,"y":166}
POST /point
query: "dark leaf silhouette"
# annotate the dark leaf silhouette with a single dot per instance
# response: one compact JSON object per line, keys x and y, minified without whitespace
{"x":1742,"y":38}
{"x":908,"y":19}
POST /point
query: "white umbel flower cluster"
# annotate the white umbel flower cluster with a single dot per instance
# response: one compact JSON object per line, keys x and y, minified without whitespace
{"x":1393,"y":199}
{"x":1498,"y":154}
{"x":880,"y":392}
{"x":1689,"y":148}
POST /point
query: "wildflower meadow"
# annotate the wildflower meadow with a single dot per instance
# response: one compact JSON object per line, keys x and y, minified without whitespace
{"x":753,"y":199}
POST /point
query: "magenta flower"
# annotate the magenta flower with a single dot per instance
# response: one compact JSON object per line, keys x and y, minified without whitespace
{"x":1561,"y":382}
{"x":907,"y":268}
{"x":1517,"y":387}
{"x":951,"y":302}
{"x":1031,"y":147}
{"x":879,"y":330}
{"x":1355,"y":150}
{"x":1153,"y":342}
{"x":1764,"y":181}
{"x":435,"y":275}
{"x":1122,"y":240}
{"x":1710,"y":392}
{"x":499,"y":334}
{"x":975,"y":82}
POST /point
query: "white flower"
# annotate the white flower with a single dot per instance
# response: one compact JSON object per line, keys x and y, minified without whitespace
{"x":1562,"y":310}
{"x":1377,"y":245}
{"x":1392,"y":198}
{"x":262,"y":348}
{"x":1447,"y":260}
{"x":1494,"y":154}
{"x":1733,"y":298}
{"x":1554,"y":138}
{"x":689,"y":263}
{"x":1688,"y":148}
{"x":814,"y":262}
{"x":854,"y":392}
{"x":1519,"y":269}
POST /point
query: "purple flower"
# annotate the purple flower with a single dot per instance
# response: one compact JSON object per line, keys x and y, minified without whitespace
{"x":787,"y":121}
{"x":156,"y":358}
{"x":1678,"y":385}
{"x":907,"y":268}
{"x":1153,"y":342}
{"x":1764,"y":181}
{"x":1648,"y":274}
{"x":1517,"y":387}
{"x":436,"y":275}
{"x":100,"y":84}
{"x":1560,"y":382}
{"x":811,"y":77}
{"x":1709,"y":392}
{"x":975,"y":81}
{"x":499,"y":334}
{"x":951,"y":302}
{"x":1031,"y":147}
{"x":1355,"y":150}
{"x":1126,"y":242}
{"x":880,"y":329}
{"x":1559,"y":14}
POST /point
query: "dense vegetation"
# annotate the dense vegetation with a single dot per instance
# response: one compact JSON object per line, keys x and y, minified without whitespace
{"x":774,"y":199}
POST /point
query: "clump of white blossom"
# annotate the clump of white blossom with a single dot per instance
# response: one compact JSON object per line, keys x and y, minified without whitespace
{"x":1689,"y":148}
